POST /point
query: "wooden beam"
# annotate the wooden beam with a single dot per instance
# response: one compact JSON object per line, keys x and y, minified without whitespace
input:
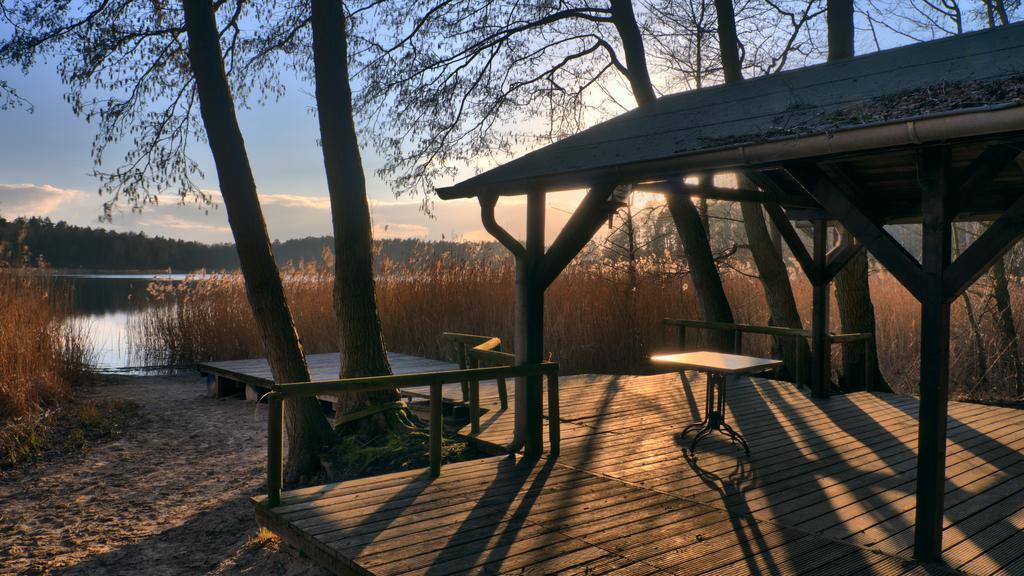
{"x":978,"y":175}
{"x":792,"y":238}
{"x":838,"y":193}
{"x":934,"y":174}
{"x":839,"y":256}
{"x":585,"y":221}
{"x":979,"y":256}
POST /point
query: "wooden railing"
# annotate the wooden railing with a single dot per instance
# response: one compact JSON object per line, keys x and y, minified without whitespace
{"x":472,"y":351}
{"x":796,"y":333}
{"x":435,"y":380}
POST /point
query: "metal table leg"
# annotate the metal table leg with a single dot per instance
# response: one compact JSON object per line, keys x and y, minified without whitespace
{"x":714,"y":414}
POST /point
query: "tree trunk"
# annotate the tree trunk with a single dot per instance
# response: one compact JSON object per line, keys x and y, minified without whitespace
{"x":840,"y":29}
{"x":360,"y":339}
{"x":728,"y":41}
{"x":857,"y":314}
{"x":307,"y":429}
{"x":853,"y":294}
{"x":692,"y":234}
{"x":981,"y":354}
{"x":1007,"y":328}
{"x":777,"y":289}
{"x":770,"y":266}
{"x":703,"y":271}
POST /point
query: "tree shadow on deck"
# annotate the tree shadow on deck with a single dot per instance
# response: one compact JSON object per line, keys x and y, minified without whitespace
{"x":983,"y":489}
{"x":736,"y":481}
{"x":788,"y":454}
{"x":473,"y":544}
{"x":851,"y":474}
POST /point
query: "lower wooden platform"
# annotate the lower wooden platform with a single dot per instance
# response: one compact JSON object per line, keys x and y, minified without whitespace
{"x":828,"y":489}
{"x":255,"y":373}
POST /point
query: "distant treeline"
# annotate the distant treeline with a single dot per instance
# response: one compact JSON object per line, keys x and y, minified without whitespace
{"x":64,"y":246}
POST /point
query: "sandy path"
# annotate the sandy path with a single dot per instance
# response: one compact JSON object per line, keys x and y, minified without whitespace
{"x":169,"y":498}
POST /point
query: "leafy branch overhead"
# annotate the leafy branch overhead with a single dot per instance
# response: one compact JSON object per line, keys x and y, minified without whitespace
{"x":465,"y":83}
{"x":125,"y":68}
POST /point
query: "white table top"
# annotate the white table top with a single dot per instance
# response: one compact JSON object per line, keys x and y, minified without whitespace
{"x":718,"y":362}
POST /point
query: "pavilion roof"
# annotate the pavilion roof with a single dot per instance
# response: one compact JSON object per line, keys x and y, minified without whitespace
{"x":976,"y":73}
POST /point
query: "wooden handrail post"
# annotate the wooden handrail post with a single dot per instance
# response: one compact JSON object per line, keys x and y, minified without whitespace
{"x":682,"y":338}
{"x":474,"y":400}
{"x":275,"y":448}
{"x":436,"y":428}
{"x":502,"y":388}
{"x":554,"y":422}
{"x":463,"y":364}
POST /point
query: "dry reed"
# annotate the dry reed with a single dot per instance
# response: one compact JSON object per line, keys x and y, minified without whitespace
{"x":43,"y":352}
{"x":597,"y":319}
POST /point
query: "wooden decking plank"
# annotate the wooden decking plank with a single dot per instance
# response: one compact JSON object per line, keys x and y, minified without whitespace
{"x":878,"y":529}
{"x":796,"y":471}
{"x":612,"y":564}
{"x":473,"y":479}
{"x":335,"y":519}
{"x":995,"y":546}
{"x":461,"y":555}
{"x":804,"y":555}
{"x":836,"y":491}
{"x":548,"y":501}
{"x":450,"y":472}
{"x":967,"y":516}
{"x":723,"y":548}
{"x":672,"y":451}
{"x":787,"y":444}
{"x":861,"y":562}
{"x":559,"y":564}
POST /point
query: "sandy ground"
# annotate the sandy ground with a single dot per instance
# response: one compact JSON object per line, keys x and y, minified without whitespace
{"x":171,"y":497}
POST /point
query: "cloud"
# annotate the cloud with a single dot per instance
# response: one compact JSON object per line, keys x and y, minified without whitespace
{"x":322,"y":203}
{"x":172,"y":222}
{"x":287,"y":215}
{"x":400,"y":231}
{"x":480,"y":235}
{"x":35,"y":199}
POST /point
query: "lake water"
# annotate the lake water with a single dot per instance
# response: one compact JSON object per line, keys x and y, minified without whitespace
{"x":104,"y":302}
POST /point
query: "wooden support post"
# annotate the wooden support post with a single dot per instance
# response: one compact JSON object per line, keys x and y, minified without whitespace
{"x":933,"y":169}
{"x":503,"y":393}
{"x":554,"y":422}
{"x":821,"y":353}
{"x":436,"y":429}
{"x":530,"y":326}
{"x":275,"y":449}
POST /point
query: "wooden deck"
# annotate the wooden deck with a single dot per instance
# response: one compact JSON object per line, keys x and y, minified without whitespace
{"x":828,"y":489}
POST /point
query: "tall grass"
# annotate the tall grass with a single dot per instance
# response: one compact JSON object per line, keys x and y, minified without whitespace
{"x":596,"y":318}
{"x":43,"y":351}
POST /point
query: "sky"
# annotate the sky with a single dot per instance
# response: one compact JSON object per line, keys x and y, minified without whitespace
{"x":46,"y":167}
{"x":46,"y":170}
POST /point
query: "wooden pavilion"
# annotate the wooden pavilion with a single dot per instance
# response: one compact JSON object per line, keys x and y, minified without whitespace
{"x":928,"y":133}
{"x":860,"y":483}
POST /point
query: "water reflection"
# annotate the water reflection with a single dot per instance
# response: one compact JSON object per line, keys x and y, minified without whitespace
{"x":104,"y":302}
